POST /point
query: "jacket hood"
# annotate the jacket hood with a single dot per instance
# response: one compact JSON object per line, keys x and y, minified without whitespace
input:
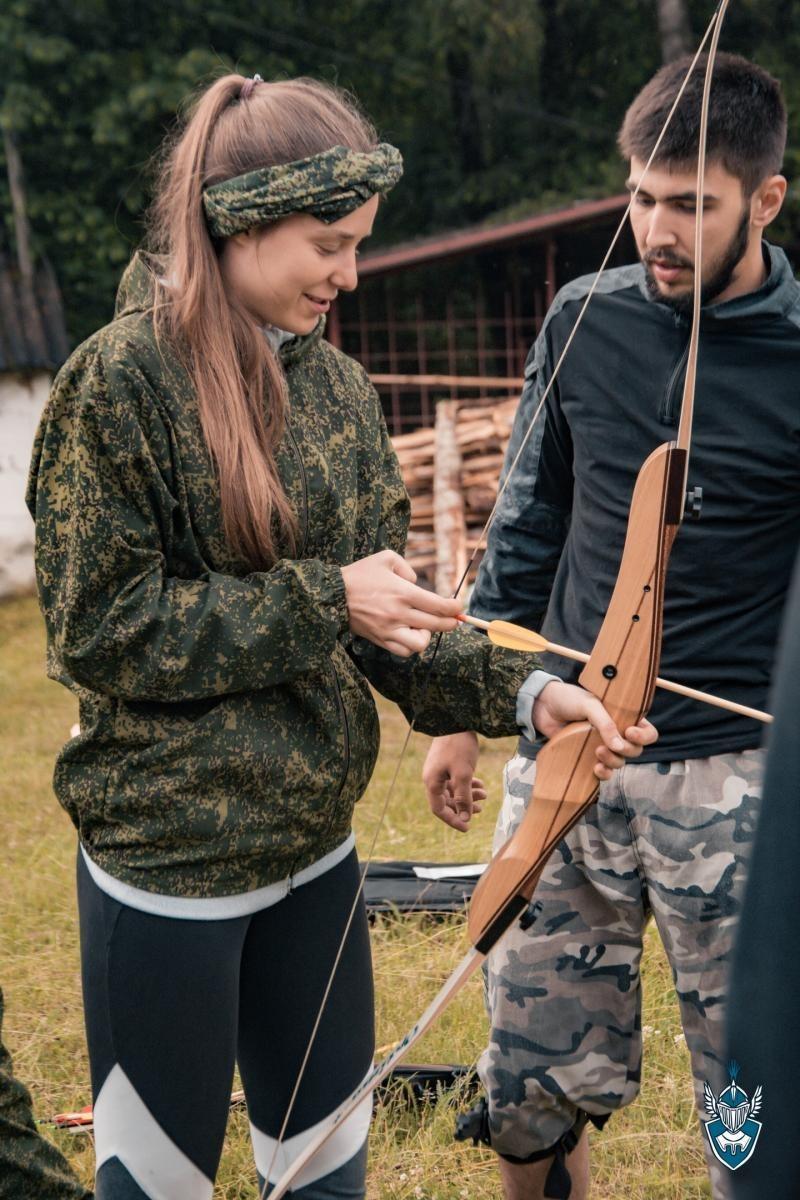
{"x":135,"y":294}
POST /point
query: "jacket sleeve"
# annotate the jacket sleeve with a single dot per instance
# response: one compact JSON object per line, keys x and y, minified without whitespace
{"x":473,"y":684}
{"x":530,"y":528}
{"x":118,"y":623}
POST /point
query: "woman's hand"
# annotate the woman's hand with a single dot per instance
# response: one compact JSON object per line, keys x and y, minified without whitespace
{"x":560,"y":703}
{"x":386,"y":608}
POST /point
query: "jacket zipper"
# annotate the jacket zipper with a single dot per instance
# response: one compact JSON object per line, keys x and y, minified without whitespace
{"x":668,"y":415}
{"x":304,"y":479}
{"x":345,"y":730}
{"x":340,"y":703}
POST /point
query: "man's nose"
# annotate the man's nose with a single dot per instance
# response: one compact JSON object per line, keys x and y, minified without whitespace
{"x":660,"y":230}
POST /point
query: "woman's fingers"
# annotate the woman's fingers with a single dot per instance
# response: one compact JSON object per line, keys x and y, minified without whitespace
{"x":398,"y":565}
{"x":405,"y":641}
{"x":436,"y":622}
{"x":386,"y":607}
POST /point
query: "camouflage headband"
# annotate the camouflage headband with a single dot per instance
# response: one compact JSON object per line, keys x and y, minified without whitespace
{"x":328,"y":186}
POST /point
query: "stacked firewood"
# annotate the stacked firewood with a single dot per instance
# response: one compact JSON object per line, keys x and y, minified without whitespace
{"x":448,"y":514}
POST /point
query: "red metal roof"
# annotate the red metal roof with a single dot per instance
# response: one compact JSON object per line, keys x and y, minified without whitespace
{"x":482,"y":237}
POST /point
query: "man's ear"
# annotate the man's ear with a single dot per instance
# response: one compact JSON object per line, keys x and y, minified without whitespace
{"x":766,"y":201}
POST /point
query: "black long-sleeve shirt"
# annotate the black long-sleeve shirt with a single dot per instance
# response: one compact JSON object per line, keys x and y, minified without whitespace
{"x":555,"y":546}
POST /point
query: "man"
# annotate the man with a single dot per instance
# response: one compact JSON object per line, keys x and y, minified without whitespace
{"x":670,"y":835}
{"x":31,"y":1168}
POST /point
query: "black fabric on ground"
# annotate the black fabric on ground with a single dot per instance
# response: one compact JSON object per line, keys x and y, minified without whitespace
{"x":394,"y":887}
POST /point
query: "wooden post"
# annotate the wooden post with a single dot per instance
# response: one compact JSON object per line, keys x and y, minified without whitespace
{"x":422,"y":361}
{"x":550,"y":270}
{"x":452,"y":358}
{"x":391,"y":336}
{"x":449,"y":526}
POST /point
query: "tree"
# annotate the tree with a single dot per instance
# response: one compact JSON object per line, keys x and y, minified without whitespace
{"x":498,"y":105}
{"x":674,"y":28}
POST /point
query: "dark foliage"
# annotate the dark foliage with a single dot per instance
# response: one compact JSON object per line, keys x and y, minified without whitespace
{"x":498,"y":105}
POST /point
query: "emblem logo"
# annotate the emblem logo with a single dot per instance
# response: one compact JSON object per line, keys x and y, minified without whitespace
{"x":732,"y":1133}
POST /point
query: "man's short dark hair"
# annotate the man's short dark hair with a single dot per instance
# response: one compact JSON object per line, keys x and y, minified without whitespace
{"x":746,"y":120}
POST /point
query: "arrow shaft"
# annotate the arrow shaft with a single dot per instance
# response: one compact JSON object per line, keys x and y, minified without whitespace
{"x":667,"y":685}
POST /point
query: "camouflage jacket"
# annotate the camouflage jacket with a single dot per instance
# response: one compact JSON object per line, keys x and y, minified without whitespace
{"x":227,"y":726}
{"x":31,"y":1168}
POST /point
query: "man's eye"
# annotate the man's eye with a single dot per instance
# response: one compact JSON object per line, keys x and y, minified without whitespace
{"x":325,"y":250}
{"x":644,"y":202}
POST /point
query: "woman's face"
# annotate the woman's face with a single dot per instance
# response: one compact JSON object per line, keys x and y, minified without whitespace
{"x":288,"y":274}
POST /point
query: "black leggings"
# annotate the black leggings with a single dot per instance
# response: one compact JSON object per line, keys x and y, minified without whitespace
{"x":171,"y":1005}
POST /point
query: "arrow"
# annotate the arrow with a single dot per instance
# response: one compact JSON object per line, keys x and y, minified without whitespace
{"x":516,"y":637}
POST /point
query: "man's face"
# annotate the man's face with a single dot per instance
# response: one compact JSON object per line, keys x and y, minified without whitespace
{"x":663,"y":218}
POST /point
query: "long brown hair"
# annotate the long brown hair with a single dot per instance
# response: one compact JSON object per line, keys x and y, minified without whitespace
{"x":239,"y":381}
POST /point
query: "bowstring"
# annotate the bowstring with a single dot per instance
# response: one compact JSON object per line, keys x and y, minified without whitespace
{"x":714,"y":27}
{"x":684,"y":438}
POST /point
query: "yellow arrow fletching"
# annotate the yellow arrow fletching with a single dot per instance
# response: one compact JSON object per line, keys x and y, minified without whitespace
{"x":514,"y":637}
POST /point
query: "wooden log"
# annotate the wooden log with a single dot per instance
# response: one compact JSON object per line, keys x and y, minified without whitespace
{"x":480,"y":432}
{"x":490,"y":382}
{"x":480,"y":499}
{"x":448,"y":502}
{"x":483,"y":462}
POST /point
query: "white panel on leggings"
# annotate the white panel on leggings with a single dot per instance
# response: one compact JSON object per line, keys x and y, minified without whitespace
{"x":124,"y":1128}
{"x":339,"y":1148}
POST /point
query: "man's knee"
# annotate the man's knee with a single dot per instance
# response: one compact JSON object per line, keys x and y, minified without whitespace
{"x":555,"y":1173}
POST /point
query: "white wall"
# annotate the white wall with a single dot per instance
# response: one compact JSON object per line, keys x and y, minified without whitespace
{"x":21,"y":401}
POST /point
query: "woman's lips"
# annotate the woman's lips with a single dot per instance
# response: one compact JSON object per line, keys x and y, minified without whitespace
{"x":319,"y":304}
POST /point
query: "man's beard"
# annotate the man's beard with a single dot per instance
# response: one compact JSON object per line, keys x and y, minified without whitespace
{"x":721,"y":275}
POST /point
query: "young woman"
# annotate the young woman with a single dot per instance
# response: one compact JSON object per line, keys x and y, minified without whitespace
{"x":220,"y":523}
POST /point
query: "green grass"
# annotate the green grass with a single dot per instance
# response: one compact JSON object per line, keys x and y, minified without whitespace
{"x":652,"y":1151}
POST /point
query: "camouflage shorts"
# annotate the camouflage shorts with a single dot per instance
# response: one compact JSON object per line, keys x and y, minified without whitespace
{"x":669,"y":840}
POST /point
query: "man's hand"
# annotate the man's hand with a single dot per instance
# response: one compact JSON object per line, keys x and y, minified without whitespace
{"x":387,"y":608}
{"x":560,"y":703}
{"x":454,"y":793}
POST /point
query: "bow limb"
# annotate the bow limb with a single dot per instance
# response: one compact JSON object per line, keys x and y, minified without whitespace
{"x":621,"y":672}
